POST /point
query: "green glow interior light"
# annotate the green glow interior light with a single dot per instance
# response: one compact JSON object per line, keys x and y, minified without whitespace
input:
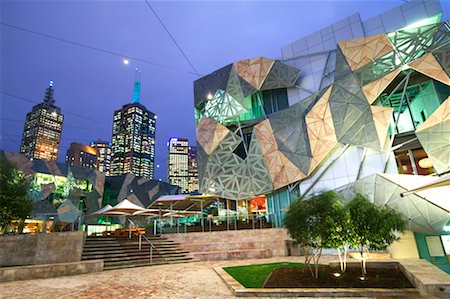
{"x":424,"y":22}
{"x":428,"y":21}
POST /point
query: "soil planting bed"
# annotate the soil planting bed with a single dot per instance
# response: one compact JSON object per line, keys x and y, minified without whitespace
{"x":301,"y":278}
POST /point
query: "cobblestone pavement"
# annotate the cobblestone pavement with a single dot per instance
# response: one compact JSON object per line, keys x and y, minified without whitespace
{"x":187,"y":280}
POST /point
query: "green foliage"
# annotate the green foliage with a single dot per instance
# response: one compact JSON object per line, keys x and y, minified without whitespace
{"x":317,"y":223}
{"x":14,"y":203}
{"x":324,"y":222}
{"x":254,"y":276}
{"x":374,"y":227}
{"x":69,"y":185}
{"x":314,"y":222}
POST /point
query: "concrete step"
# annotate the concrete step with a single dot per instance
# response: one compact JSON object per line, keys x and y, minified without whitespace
{"x":124,"y":252}
{"x":109,"y":264}
{"x":129,"y":257}
{"x":131,"y":250}
{"x":129,"y":245}
{"x":111,"y":254}
{"x":147,"y":264}
{"x":231,"y":254}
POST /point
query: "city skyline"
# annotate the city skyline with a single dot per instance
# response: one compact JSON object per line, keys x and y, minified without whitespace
{"x":91,"y":84}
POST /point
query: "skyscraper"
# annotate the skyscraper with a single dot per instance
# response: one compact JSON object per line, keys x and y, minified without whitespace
{"x":103,"y":155}
{"x":42,"y":130}
{"x":178,"y":163}
{"x":81,"y":155}
{"x":133,"y":138}
{"x":192,"y":169}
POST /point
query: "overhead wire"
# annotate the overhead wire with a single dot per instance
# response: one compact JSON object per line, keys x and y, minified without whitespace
{"x":65,"y":112}
{"x":172,"y":38}
{"x":9,"y":137}
{"x":65,"y":126}
{"x":100,"y":49}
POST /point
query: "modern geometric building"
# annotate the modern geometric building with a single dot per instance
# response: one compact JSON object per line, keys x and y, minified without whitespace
{"x":103,"y":155}
{"x":133,"y":138}
{"x":358,"y":104}
{"x":59,"y":187}
{"x":81,"y":155}
{"x":178,"y":160}
{"x":192,"y":170}
{"x":42,"y":131}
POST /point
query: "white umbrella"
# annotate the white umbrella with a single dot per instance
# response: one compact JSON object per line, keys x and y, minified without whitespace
{"x":102,"y":210}
{"x":148,"y":212}
{"x":127,"y":208}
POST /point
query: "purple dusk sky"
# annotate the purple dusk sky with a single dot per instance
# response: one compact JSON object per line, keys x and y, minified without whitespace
{"x":93,"y":84}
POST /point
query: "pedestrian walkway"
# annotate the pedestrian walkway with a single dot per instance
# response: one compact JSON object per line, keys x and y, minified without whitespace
{"x":188,"y":280}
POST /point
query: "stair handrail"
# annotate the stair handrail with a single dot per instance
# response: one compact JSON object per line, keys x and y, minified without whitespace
{"x":145,"y":238}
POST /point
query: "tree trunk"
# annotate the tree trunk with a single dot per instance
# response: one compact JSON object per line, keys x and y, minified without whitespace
{"x":345,"y":258}
{"x":21,"y":226}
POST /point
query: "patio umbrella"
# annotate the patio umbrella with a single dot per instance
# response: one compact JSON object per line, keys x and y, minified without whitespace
{"x":127,"y":208}
{"x":147,"y":213}
{"x":102,"y":210}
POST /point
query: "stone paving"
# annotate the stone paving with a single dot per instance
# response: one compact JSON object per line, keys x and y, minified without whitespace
{"x":187,"y":280}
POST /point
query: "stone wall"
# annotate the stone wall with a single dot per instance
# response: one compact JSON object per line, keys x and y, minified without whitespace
{"x":51,"y":270}
{"x":39,"y":249}
{"x":234,"y":244}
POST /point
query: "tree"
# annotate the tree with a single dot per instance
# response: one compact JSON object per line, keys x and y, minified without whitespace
{"x":14,"y":203}
{"x":341,"y":235}
{"x":313,"y":223}
{"x":374,"y":228}
{"x":69,"y":185}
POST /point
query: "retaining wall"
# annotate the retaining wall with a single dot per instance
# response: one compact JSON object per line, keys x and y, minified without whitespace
{"x":234,"y":244}
{"x":49,"y":270}
{"x":39,"y":249}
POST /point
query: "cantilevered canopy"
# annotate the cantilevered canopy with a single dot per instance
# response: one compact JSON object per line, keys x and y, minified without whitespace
{"x":183,"y":202}
{"x":426,"y":211}
{"x":439,"y":182}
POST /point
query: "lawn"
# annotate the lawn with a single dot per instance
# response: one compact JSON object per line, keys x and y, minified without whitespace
{"x":253,"y":276}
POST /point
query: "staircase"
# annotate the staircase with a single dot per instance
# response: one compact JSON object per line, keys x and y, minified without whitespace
{"x":123,"y":252}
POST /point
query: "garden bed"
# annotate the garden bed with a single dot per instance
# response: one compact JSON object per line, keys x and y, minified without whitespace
{"x":248,"y":281}
{"x":331,"y":277}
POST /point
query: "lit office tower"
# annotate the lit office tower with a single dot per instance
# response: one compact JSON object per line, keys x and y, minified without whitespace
{"x":192,"y":169}
{"x":133,"y":138}
{"x":103,"y":155}
{"x":42,"y":130}
{"x":81,"y":155}
{"x":178,"y":163}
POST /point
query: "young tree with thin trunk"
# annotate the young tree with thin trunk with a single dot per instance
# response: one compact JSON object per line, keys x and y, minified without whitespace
{"x":312,"y":224}
{"x":374,"y":228}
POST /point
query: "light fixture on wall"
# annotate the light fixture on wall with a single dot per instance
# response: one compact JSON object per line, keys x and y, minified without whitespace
{"x":425,"y":163}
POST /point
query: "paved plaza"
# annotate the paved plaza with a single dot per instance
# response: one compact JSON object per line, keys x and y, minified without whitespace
{"x":187,"y":280}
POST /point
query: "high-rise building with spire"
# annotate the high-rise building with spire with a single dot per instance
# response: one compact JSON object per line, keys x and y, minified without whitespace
{"x":42,"y":131}
{"x":133,"y":137}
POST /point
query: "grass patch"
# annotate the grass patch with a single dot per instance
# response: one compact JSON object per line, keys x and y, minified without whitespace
{"x":253,"y":276}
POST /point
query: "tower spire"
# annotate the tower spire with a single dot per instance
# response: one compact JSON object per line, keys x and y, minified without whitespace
{"x":49,"y":93}
{"x":137,"y":86}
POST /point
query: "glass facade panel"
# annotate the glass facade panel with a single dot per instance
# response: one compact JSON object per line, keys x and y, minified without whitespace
{"x":420,"y":101}
{"x":422,"y":164}
{"x":275,"y":100}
